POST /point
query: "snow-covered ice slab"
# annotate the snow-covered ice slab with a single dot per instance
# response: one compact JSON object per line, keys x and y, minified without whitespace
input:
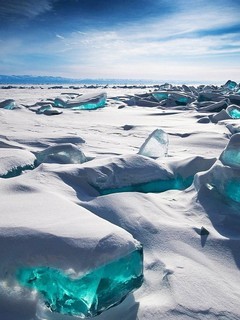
{"x":14,"y":161}
{"x":8,"y":104}
{"x":231,"y":154}
{"x":61,"y":257}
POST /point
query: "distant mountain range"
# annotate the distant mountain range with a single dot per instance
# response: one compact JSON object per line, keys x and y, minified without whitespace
{"x":28,"y":79}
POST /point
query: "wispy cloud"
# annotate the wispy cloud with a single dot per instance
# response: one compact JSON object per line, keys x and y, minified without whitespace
{"x":24,"y":8}
{"x":188,"y":42}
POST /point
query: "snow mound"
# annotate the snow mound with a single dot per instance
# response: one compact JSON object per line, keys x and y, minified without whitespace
{"x":14,"y":161}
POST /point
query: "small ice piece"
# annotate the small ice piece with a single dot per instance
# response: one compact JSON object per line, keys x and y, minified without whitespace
{"x":8,"y":104}
{"x":231,"y":85}
{"x":60,"y":102}
{"x":231,"y":154}
{"x":63,"y":153}
{"x":156,"y":145}
{"x":43,"y":108}
{"x":90,"y":294}
{"x":233,"y":111}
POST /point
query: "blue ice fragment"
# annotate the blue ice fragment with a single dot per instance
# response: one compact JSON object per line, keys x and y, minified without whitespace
{"x":231,"y":85}
{"x":90,"y":294}
{"x":8,"y":104}
{"x":231,"y":154}
{"x":159,"y":96}
{"x":233,"y":111}
{"x":58,"y":102}
{"x":91,"y":106}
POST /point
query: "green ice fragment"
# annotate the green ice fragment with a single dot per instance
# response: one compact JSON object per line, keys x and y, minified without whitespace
{"x":90,"y":294}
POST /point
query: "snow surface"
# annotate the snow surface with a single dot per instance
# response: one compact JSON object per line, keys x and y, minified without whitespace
{"x":54,"y":215}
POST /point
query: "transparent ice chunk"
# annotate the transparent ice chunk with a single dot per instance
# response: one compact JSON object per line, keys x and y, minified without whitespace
{"x":90,"y":294}
{"x":231,"y":154}
{"x":156,"y":145}
{"x":62,"y":153}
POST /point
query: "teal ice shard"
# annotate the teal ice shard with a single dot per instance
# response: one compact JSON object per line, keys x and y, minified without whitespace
{"x":8,"y":104}
{"x":61,"y":257}
{"x":91,"y":293}
{"x":160,"y":95}
{"x":224,"y":176}
{"x":233,"y":111}
{"x":64,"y":153}
{"x":231,"y":85}
{"x":86,"y":101}
{"x":223,"y":179}
{"x":156,"y":145}
{"x":231,"y":154}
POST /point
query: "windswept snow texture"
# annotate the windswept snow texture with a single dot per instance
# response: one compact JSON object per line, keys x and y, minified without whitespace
{"x":101,"y":227}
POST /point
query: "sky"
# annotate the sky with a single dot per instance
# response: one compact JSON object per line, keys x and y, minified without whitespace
{"x":196,"y":40}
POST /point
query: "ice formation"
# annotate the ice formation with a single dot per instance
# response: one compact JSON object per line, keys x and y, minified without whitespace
{"x":14,"y":161}
{"x":89,"y":294}
{"x":224,"y":176}
{"x":233,"y":111}
{"x":78,"y":263}
{"x":62,"y":153}
{"x":86,"y":101}
{"x":156,"y":145}
{"x":231,"y":155}
{"x":231,"y":85}
{"x":225,"y":180}
{"x":8,"y":104}
{"x":47,"y":109}
{"x":137,"y":173}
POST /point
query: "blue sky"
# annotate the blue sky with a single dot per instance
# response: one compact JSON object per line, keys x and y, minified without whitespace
{"x":135,"y":39}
